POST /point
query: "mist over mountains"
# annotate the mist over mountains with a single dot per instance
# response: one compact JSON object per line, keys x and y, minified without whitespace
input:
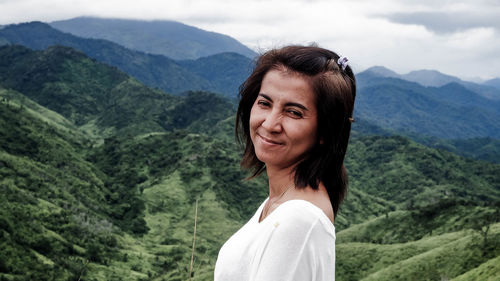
{"x":100,"y":171}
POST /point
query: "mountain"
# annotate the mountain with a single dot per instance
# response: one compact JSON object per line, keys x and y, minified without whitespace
{"x":451,"y":111}
{"x":433,"y":78}
{"x":430,"y":78}
{"x":436,"y":79}
{"x":169,"y":38}
{"x":153,"y":70}
{"x":382,"y":72}
{"x":100,"y":99}
{"x":493,"y":83}
{"x":445,"y":172}
{"x":487,"y":149}
{"x":226,"y":71}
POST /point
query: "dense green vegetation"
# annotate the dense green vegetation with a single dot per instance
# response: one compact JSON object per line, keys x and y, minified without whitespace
{"x":422,"y":175}
{"x":487,"y":149}
{"x":99,"y":177}
{"x":53,"y":201}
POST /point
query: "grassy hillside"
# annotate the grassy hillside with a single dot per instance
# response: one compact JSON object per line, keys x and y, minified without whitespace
{"x":103,"y":186}
{"x":121,"y":210}
{"x":53,"y":209}
{"x":440,"y":241}
{"x":432,"y":258}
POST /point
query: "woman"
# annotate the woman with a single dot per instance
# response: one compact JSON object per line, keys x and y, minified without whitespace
{"x":294,"y":119}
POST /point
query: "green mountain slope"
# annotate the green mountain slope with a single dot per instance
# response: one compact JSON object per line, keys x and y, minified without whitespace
{"x":66,"y":208}
{"x":434,"y":258}
{"x":100,"y":99}
{"x":113,"y":196}
{"x":169,"y":38}
{"x":443,"y":241}
{"x":487,"y":149}
{"x":409,"y":174}
{"x":53,"y":206}
{"x":487,"y":271}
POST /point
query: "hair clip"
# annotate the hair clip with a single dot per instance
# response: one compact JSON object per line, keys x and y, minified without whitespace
{"x":351,"y":119}
{"x":342,"y":61}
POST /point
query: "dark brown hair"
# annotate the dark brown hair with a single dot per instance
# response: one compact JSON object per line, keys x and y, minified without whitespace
{"x":335,"y":90}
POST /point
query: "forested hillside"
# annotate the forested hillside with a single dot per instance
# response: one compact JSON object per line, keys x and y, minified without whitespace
{"x":100,"y":176}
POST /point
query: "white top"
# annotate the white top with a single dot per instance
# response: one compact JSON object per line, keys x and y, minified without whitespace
{"x":296,"y":242}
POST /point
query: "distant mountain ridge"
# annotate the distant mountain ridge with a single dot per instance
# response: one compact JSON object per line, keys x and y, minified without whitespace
{"x":169,"y":38}
{"x":428,"y":77}
{"x":451,"y":111}
{"x":434,"y":78}
{"x":495,"y":82}
{"x":153,"y":70}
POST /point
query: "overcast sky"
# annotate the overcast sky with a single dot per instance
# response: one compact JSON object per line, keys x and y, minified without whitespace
{"x":456,"y":37}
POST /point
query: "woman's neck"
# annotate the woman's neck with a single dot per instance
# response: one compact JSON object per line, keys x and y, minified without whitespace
{"x":279,"y":180}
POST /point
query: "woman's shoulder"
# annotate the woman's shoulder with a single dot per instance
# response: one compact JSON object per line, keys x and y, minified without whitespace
{"x":318,"y":198}
{"x":304,"y":214}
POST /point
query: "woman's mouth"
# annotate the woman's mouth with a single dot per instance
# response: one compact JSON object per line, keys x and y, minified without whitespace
{"x":269,"y":141}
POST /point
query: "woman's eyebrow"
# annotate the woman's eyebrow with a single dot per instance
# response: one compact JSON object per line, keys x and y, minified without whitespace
{"x":266,"y":97}
{"x":296,"y":105}
{"x":286,"y":104}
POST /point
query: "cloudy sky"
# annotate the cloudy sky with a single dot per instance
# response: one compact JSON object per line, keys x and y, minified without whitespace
{"x":456,"y":37}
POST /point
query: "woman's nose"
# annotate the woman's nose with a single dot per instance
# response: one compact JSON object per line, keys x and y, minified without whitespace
{"x":272,"y":122}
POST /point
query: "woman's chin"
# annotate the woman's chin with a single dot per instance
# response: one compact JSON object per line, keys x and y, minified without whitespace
{"x":267,"y":159}
{"x":274,"y":161}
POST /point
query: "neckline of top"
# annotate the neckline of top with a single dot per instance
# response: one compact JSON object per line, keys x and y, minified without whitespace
{"x":317,"y":209}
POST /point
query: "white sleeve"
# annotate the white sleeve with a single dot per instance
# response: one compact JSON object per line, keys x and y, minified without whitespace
{"x":299,"y":248}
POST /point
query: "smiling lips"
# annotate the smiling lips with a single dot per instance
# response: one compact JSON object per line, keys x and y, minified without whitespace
{"x":269,"y":141}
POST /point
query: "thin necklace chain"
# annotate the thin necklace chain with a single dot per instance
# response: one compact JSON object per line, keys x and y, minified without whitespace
{"x":270,"y":205}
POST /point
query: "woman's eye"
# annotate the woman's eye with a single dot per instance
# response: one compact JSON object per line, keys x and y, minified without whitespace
{"x":295,"y":113}
{"x":263,"y":103}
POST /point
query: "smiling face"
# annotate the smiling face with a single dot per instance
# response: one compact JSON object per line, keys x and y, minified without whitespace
{"x":283,"y":119}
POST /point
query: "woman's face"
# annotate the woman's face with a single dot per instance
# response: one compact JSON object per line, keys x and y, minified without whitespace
{"x":283,"y":119}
